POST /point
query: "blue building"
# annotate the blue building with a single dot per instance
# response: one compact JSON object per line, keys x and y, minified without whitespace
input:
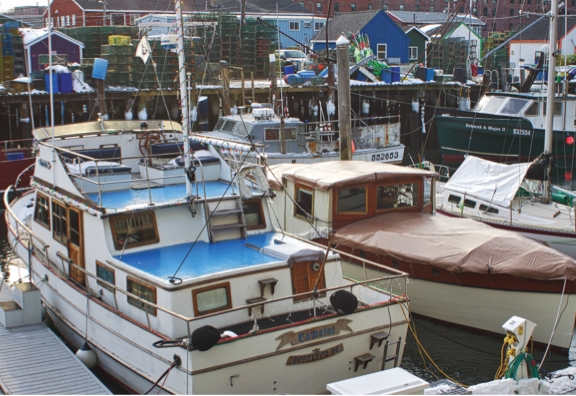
{"x":297,"y":28}
{"x":387,"y":39}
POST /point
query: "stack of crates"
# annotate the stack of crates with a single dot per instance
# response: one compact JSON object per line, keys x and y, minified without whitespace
{"x":119,"y":59}
{"x":258,"y":41}
{"x":6,"y":57}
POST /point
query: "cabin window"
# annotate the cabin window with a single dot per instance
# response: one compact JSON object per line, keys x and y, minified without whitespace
{"x":490,"y":104}
{"x":382,"y":51}
{"x":488,"y":209}
{"x":514,"y":106}
{"x":304,"y":205}
{"x":352,"y":200}
{"x":42,"y":210}
{"x":454,"y":199}
{"x":557,"y":109}
{"x":253,"y":214}
{"x":59,"y":221}
{"x":413,"y":53}
{"x":271,"y":134}
{"x":228,"y":126}
{"x":211,"y":299}
{"x":294,"y":25}
{"x":143,"y":291}
{"x":533,"y":110}
{"x":135,"y":229}
{"x":394,"y":196}
{"x":106,"y":274}
{"x":469,"y":203}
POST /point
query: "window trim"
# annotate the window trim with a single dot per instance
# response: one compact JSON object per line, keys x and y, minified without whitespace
{"x":195,"y":292}
{"x":410,"y":48}
{"x":151,"y":310}
{"x":366,"y":203}
{"x":136,"y":244}
{"x":418,"y":199}
{"x":49,"y":214}
{"x":259,"y":226}
{"x":296,"y":24}
{"x":63,"y":241}
{"x":101,"y":281}
{"x":298,"y":187}
{"x":385,"y":51}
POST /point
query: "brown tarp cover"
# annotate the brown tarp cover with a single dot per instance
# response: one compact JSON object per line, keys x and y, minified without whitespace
{"x":325,"y":175}
{"x":456,"y":245}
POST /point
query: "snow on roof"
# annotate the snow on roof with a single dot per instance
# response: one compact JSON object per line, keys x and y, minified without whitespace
{"x":427,"y":28}
{"x":29,"y":35}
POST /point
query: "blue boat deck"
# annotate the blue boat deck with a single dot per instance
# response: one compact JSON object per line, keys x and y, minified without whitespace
{"x":204,"y":258}
{"x":160,"y":194}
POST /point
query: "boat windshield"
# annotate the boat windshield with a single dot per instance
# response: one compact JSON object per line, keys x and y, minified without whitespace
{"x":231,"y":126}
{"x":489,"y":104}
{"x":514,"y":106}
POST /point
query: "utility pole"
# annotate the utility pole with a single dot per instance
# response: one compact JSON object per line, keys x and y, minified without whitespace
{"x":225,"y":88}
{"x":344,"y":112}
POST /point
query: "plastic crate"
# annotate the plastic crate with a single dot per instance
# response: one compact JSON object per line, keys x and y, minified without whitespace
{"x":119,"y":40}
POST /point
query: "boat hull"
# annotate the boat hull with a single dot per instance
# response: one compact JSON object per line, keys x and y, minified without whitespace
{"x":390,"y":155}
{"x":498,"y":139}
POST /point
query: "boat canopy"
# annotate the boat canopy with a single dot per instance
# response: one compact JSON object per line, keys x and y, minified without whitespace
{"x":326,"y":175}
{"x":490,"y":181}
{"x":457,"y":245}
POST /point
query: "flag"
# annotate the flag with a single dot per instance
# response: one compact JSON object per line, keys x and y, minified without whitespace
{"x":143,"y":50}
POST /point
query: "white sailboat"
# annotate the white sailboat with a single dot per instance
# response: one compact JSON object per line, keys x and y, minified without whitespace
{"x":175,"y":276}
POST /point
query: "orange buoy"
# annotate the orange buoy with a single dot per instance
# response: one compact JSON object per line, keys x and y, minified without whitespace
{"x":352,"y":144}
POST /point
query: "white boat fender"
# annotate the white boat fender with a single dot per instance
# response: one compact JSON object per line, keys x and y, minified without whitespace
{"x":344,"y":302}
{"x":228,"y":334}
{"x":260,"y":178}
{"x":86,"y":355}
{"x":205,"y":337}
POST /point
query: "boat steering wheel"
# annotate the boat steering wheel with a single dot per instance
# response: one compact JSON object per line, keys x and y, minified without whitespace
{"x":148,"y":139}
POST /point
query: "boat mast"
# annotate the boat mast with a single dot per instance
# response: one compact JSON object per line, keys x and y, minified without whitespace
{"x":549,"y":126}
{"x":183,"y":93}
{"x":51,"y":85}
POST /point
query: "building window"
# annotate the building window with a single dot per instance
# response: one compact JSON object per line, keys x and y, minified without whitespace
{"x":529,"y":2}
{"x":493,"y":11}
{"x":381,"y":51}
{"x":370,"y":6}
{"x":67,"y":20}
{"x":318,"y":7}
{"x":301,"y":4}
{"x":413,"y":53}
{"x":210,"y":299}
{"x":474,"y":11}
{"x":416,"y":7}
{"x":511,"y":26}
{"x":73,"y":19}
{"x":118,"y":19}
{"x":336,"y":7}
{"x":135,"y":229}
{"x":304,"y":205}
{"x":59,"y":222}
{"x":401,"y":7}
{"x":318,"y":25}
{"x":386,"y":6}
{"x":485,"y":13}
{"x":306,"y":25}
{"x":494,"y":26}
{"x":432,"y":8}
{"x":353,"y":6}
{"x":42,"y":210}
{"x":106,"y":274}
{"x":142,"y":291}
{"x":294,"y":25}
{"x":511,"y":11}
{"x":351,"y":200}
{"x":133,"y":18}
{"x":396,"y":196}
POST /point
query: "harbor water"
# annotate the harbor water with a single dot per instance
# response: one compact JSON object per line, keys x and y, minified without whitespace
{"x":464,"y":356}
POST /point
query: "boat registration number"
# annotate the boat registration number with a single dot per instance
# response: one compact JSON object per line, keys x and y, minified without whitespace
{"x":389,"y":156}
{"x":521,"y":132}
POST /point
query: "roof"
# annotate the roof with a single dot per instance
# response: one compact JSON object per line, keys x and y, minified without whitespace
{"x":436,"y":29}
{"x":345,"y":22}
{"x":456,"y":245}
{"x":326,"y":175}
{"x":8,"y":18}
{"x":425,"y":18}
{"x":32,"y":36}
{"x":164,"y":6}
{"x":408,"y":29}
{"x":540,"y":30}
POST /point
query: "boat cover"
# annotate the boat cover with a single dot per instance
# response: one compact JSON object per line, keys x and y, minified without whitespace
{"x":457,"y":245}
{"x":323,"y":176}
{"x":490,"y":181}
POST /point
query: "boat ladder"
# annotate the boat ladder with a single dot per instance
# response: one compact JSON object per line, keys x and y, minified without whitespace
{"x":226,"y":221}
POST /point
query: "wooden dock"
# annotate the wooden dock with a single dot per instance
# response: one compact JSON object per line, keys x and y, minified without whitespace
{"x":33,"y":360}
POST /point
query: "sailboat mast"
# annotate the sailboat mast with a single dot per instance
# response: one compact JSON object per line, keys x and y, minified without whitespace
{"x":183,"y":93}
{"x":549,"y":125}
{"x":51,"y":85}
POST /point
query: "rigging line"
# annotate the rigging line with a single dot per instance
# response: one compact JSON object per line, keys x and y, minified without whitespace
{"x":558,"y":315}
{"x":207,"y":220}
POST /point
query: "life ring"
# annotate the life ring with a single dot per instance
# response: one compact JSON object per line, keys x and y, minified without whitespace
{"x":258,"y":175}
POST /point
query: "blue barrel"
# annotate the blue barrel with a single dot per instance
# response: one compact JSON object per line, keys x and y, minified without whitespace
{"x":386,"y":76}
{"x":288,"y":70}
{"x":429,"y":74}
{"x":480,"y":70}
{"x":306,"y":74}
{"x":55,"y":85}
{"x":395,"y":73}
{"x":66,"y":82}
{"x":100,"y":68}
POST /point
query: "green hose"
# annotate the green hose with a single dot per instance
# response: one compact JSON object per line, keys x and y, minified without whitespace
{"x":515,"y":365}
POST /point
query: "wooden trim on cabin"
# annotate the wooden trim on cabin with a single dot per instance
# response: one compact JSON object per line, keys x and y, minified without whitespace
{"x":366,"y":201}
{"x":120,"y":245}
{"x":82,"y":200}
{"x":64,"y":238}
{"x":49,"y":208}
{"x":150,"y":310}
{"x":261,"y":213}
{"x":225,"y":285}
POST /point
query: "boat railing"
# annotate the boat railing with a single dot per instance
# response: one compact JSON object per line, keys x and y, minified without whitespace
{"x":24,"y":146}
{"x":331,"y":125}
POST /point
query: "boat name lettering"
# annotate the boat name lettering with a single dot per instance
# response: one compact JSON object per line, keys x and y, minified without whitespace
{"x":485,"y":127}
{"x":385,"y":156}
{"x":316,"y":355}
{"x":313,"y":333}
{"x":44,"y":164}
{"x":474,"y":126}
{"x":521,"y":132}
